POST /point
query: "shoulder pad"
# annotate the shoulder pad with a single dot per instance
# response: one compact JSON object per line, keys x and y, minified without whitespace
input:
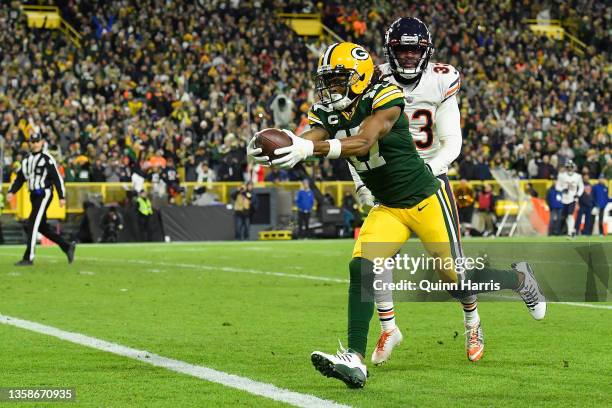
{"x":449,"y":79}
{"x":385,"y":92}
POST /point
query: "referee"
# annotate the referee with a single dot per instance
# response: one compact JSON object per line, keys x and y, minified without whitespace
{"x":40,"y":173}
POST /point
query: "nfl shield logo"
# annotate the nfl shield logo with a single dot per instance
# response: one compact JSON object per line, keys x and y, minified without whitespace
{"x":409,"y":99}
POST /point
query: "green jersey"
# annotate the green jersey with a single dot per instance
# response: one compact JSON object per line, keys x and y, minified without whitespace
{"x":392,"y":170}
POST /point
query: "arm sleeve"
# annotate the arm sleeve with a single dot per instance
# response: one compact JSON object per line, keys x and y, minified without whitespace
{"x":58,"y":182}
{"x":17,"y":183}
{"x":448,"y":129}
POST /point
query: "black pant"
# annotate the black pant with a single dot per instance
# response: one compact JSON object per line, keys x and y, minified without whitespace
{"x":38,"y":223}
{"x":144,"y":224}
{"x":303,"y":218}
{"x":243,"y":226}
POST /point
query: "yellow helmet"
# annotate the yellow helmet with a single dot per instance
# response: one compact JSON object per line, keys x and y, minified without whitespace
{"x":344,"y":72}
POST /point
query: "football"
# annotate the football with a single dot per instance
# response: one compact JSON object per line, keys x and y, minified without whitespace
{"x":271,"y":139}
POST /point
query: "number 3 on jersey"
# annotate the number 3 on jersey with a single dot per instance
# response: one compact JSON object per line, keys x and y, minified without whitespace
{"x":364,"y":163}
{"x":427,"y":129}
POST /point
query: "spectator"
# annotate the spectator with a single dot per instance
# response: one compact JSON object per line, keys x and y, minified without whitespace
{"x":145,"y":215}
{"x":586,"y":204}
{"x":170,"y":177}
{"x":242,"y":212}
{"x":282,"y":111}
{"x":276,"y":175}
{"x":112,"y":224}
{"x":486,"y":207}
{"x":545,"y":169}
{"x":553,"y":199}
{"x":149,"y":81}
{"x":201,"y":197}
{"x":601,"y":199}
{"x":464,"y":196}
{"x":304,"y":202}
{"x":204,"y":173}
{"x":98,"y":171}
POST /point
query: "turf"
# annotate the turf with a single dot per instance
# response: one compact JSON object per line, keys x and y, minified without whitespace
{"x":221,"y":305}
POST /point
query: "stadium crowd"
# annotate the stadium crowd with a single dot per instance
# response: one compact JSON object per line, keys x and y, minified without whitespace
{"x":190,"y":81}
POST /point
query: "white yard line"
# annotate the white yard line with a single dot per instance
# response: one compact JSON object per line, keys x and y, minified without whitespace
{"x":576,"y":304}
{"x":229,"y":380}
{"x":204,"y":267}
{"x":591,"y":305}
{"x":218,"y":268}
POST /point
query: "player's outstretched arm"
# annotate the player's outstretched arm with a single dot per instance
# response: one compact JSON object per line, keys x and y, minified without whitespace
{"x":372,"y":129}
{"x":315,"y":134}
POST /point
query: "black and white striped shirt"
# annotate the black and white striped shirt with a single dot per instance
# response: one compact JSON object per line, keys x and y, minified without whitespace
{"x":40,"y":172}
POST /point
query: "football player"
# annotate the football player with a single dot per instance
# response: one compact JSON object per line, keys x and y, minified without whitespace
{"x":434,"y":120}
{"x":363,"y":122}
{"x":571,"y":186}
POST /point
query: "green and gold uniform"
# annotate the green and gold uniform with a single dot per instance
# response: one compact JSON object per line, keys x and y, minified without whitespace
{"x":393,"y":170}
{"x":396,"y":176}
{"x":410,"y":198}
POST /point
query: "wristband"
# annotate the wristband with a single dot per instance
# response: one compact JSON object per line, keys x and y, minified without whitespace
{"x":335,"y":148}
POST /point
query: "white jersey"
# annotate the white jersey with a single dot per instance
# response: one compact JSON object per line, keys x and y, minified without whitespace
{"x":433,"y":114}
{"x":570,"y":185}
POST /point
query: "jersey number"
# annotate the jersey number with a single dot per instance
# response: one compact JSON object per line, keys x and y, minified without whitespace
{"x":427,"y":128}
{"x":367,"y":162}
{"x":441,"y":69}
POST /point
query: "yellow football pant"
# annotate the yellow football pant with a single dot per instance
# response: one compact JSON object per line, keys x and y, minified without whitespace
{"x":386,"y":229}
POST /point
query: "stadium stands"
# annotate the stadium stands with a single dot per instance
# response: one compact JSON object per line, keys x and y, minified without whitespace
{"x":192,"y":80}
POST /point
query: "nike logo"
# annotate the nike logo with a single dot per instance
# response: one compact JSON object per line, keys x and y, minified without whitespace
{"x":421,"y":208}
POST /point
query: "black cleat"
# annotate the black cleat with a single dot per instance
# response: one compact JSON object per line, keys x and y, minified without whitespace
{"x":70,"y":252}
{"x":24,"y":262}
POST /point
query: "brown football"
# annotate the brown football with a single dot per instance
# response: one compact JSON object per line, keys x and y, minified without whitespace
{"x":271,"y":139}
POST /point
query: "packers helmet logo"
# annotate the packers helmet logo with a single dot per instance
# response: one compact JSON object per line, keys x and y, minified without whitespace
{"x":360,"y":54}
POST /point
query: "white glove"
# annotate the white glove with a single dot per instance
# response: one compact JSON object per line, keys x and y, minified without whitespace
{"x":365,"y":199}
{"x":254,"y":153}
{"x":300,"y":150}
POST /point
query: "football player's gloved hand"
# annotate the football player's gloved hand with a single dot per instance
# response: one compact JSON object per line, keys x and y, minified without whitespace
{"x":300,"y":150}
{"x":365,"y":198}
{"x":255,"y":153}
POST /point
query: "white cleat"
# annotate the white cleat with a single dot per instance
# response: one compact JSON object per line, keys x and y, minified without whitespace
{"x":530,"y":291}
{"x":346,"y":366}
{"x":387,"y":340}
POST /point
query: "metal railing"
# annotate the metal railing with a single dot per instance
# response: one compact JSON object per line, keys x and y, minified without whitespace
{"x":68,"y":30}
{"x":107,"y":193}
{"x":577,"y":45}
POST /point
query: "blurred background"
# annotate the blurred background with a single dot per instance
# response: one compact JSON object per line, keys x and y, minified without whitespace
{"x":163,"y":96}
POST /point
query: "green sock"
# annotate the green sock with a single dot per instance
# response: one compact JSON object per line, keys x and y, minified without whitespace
{"x":359,"y":313}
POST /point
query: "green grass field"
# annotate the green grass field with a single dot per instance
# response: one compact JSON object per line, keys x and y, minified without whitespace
{"x":257,"y":310}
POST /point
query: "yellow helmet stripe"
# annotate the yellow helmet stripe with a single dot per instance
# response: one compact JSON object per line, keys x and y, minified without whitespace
{"x":327,"y":56}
